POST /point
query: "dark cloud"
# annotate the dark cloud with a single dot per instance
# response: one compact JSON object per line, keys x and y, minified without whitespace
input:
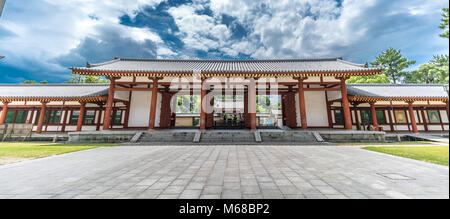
{"x":158,"y":20}
{"x":108,"y":44}
{"x":238,"y":31}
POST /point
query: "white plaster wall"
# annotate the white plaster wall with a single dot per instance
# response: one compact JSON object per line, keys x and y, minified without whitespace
{"x":140,"y":109}
{"x":52,"y":128}
{"x":416,"y":116}
{"x":444,"y":116}
{"x":401,"y":127}
{"x":316,"y":108}
{"x":434,"y":127}
{"x":385,"y":127}
{"x":102,"y":117}
{"x":17,"y":103}
{"x":334,"y":95}
{"x":71,"y":128}
{"x":33,"y":120}
{"x":89,"y":128}
{"x":122,"y":95}
{"x":33,"y":103}
{"x":330,"y":79}
{"x":143,"y":79}
{"x":158,"y":109}
{"x":125,"y":79}
{"x":313,"y":79}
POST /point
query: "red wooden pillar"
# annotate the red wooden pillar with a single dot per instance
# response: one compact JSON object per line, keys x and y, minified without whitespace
{"x":127,"y":111}
{"x":81,"y":117}
{"x":165,"y":115}
{"x":301,"y":98}
{"x":99,"y":120}
{"x":345,"y":105}
{"x":29,"y":121}
{"x":252,"y":103}
{"x":63,"y":126}
{"x":374,"y":115}
{"x":330,"y":118}
{"x":109,"y":104}
{"x":210,"y":111}
{"x":424,"y":120}
{"x":41,"y":117}
{"x":173,"y":115}
{"x":4,"y":112}
{"x":446,"y":108}
{"x":151,"y":122}
{"x":412,"y":117}
{"x":203,"y":106}
{"x":291,"y":115}
{"x":246,"y":111}
{"x":358,"y":123}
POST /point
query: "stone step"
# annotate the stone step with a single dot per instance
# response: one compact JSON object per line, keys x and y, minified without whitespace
{"x":288,"y":136}
{"x":227,"y":137}
{"x":167,"y":137}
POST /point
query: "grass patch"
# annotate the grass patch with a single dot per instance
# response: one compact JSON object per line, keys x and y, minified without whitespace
{"x":432,"y":154}
{"x":33,"y":150}
{"x":386,"y":143}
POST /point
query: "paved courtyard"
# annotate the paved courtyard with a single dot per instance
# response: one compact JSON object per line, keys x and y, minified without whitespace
{"x":224,"y":172}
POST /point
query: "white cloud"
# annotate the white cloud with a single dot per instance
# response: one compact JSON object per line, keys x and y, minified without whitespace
{"x":43,"y":30}
{"x":200,"y":32}
{"x":309,"y":28}
{"x":38,"y":31}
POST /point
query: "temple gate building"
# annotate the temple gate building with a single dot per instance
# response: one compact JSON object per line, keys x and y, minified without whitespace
{"x":304,"y":94}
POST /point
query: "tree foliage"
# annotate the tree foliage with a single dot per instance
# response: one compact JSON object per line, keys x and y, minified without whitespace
{"x":188,"y":104}
{"x":434,"y":72}
{"x":393,"y":64}
{"x":34,"y":82}
{"x":444,"y":24}
{"x":371,"y":79}
{"x":79,"y":79}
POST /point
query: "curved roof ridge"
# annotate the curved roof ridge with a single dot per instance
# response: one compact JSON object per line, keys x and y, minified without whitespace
{"x":90,"y":65}
{"x":227,"y":60}
{"x":355,"y":64}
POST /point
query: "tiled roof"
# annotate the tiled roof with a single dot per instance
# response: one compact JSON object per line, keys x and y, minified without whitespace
{"x":53,"y":90}
{"x":231,"y":66}
{"x":398,"y":90}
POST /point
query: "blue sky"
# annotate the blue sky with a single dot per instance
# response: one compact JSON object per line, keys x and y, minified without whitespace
{"x":41,"y":39}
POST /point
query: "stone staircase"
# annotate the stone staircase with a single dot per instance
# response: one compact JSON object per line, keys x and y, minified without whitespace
{"x":166,"y":137}
{"x":289,"y":137}
{"x":228,"y":137}
{"x":224,"y":137}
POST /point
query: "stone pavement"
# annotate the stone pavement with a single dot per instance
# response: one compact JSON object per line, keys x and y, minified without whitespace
{"x":213,"y":172}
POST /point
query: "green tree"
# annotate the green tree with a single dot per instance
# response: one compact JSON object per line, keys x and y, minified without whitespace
{"x":188,"y":104}
{"x":434,"y":72}
{"x":79,"y":79}
{"x":444,"y":24}
{"x":34,"y":82}
{"x":371,"y":79}
{"x":394,"y":64}
{"x":263,"y":104}
{"x":440,"y":60}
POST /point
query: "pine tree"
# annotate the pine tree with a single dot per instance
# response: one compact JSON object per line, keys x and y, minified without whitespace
{"x":393,"y":64}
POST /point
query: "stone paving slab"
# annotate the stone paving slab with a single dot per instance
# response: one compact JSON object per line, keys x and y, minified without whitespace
{"x":234,"y":172}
